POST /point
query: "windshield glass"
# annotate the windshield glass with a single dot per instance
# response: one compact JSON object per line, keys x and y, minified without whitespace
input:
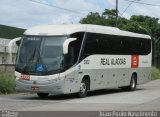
{"x":40,"y":55}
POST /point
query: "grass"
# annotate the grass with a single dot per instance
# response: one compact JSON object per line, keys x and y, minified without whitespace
{"x":6,"y":83}
{"x":155,"y":73}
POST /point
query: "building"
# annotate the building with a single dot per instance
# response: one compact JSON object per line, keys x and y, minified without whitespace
{"x":5,"y":56}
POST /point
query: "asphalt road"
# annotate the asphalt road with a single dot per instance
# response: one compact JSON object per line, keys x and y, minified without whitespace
{"x":145,"y":98}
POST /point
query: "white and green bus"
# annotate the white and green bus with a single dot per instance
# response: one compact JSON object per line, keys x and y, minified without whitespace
{"x":64,"y":59}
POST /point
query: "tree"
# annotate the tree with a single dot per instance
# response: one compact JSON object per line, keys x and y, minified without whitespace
{"x":107,"y":18}
{"x":109,"y":13}
{"x":93,"y":18}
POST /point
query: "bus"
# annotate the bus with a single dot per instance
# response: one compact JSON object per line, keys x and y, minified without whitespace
{"x":64,"y":59}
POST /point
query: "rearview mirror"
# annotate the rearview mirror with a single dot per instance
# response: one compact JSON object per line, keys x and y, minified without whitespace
{"x":66,"y":44}
{"x":18,"y":42}
{"x":12,"y":42}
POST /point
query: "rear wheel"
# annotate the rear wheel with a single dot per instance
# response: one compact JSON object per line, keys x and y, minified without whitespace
{"x":83,"y":89}
{"x":43,"y":95}
{"x":133,"y":84}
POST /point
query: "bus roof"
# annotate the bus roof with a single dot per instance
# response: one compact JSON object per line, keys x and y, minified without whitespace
{"x":50,"y":30}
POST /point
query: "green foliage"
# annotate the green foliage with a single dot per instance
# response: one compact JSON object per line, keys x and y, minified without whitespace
{"x":6,"y":83}
{"x":108,"y":18}
{"x":10,"y":32}
{"x":155,"y":73}
{"x":93,"y":18}
{"x":110,"y":13}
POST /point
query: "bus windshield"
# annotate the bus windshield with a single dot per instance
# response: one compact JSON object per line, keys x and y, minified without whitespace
{"x":40,"y":55}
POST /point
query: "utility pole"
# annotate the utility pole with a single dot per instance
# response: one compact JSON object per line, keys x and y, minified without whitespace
{"x":116,"y":13}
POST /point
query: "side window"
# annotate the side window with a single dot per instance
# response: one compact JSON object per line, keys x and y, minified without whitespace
{"x":126,"y":45}
{"x":146,"y":46}
{"x":135,"y":46}
{"x":141,"y":46}
{"x":106,"y":44}
{"x":118,"y":45}
{"x":74,"y":49}
{"x":111,"y":49}
{"x":113,"y":44}
{"x":131,"y":46}
{"x":103,"y":44}
{"x":91,"y":45}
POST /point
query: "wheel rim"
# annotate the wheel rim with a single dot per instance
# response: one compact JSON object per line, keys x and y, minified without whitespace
{"x":133,"y":84}
{"x":83,"y":88}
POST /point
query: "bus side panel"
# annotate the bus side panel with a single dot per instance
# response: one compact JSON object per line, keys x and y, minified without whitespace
{"x":71,"y":81}
{"x":144,"y":70}
{"x":107,"y":71}
{"x":143,"y":75}
{"x":108,"y":78}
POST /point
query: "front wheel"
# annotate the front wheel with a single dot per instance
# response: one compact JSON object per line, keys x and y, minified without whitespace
{"x":83,"y":89}
{"x":43,"y":95}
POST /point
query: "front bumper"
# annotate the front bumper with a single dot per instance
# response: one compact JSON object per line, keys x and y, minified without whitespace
{"x":54,"y":86}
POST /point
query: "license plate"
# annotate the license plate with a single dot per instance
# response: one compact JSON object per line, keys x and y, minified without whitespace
{"x":34,"y":88}
{"x":25,"y":77}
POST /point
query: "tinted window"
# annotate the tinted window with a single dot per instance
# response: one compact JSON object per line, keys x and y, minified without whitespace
{"x":74,"y":49}
{"x":112,"y":44}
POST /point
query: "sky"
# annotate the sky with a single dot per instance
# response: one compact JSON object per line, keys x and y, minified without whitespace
{"x":26,"y":13}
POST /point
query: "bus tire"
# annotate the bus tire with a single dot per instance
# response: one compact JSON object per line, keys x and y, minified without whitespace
{"x":43,"y":95}
{"x":133,"y":84}
{"x":83,"y":89}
